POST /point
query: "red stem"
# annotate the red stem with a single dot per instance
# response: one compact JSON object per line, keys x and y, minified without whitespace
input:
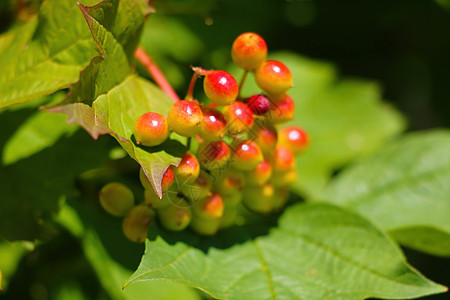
{"x":155,"y":73}
{"x":190,"y":92}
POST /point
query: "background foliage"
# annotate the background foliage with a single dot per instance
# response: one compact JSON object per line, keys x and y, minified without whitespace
{"x":56,"y":242}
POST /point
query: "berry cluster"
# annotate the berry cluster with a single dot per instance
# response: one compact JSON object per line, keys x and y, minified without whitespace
{"x":242,"y":160}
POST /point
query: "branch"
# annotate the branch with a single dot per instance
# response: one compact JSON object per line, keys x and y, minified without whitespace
{"x":155,"y":73}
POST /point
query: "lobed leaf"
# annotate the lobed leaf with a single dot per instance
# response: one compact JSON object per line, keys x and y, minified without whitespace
{"x":318,"y":251}
{"x":404,"y":188}
{"x":109,"y":98}
{"x":45,"y":54}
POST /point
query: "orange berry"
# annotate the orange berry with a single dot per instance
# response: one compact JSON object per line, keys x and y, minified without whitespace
{"x":213,"y":126}
{"x":273,"y":77}
{"x":283,"y":159}
{"x":260,"y":174}
{"x":151,"y":129}
{"x":239,"y":117}
{"x":246,"y":155}
{"x":294,"y":138}
{"x":282,"y":109}
{"x":249,"y":51}
{"x":185,"y":118}
{"x":188,"y":169}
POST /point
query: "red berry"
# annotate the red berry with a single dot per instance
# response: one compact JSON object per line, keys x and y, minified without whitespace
{"x":283,"y":159}
{"x":294,"y":138}
{"x":265,"y":135}
{"x":185,"y":117}
{"x":273,"y":77}
{"x":259,"y":104}
{"x":246,"y":155}
{"x":282,"y":109}
{"x":220,"y":87}
{"x":188,"y":169}
{"x":249,"y":51}
{"x":151,"y":129}
{"x":239,"y":117}
{"x":213,"y":155}
{"x":214,"y":125}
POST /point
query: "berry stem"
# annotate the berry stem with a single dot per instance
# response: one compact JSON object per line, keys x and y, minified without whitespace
{"x":155,"y":73}
{"x":241,"y":83}
{"x":190,"y":92}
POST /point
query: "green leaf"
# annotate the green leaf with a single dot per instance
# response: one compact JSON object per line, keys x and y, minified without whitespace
{"x":32,"y":187}
{"x":317,"y":252}
{"x":38,"y":132}
{"x":99,"y":235}
{"x":109,"y":98}
{"x":44,"y":55}
{"x":344,"y":119}
{"x":404,"y":188}
{"x":116,"y":113}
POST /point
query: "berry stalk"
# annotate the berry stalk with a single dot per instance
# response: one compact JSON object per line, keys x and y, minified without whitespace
{"x":155,"y":73}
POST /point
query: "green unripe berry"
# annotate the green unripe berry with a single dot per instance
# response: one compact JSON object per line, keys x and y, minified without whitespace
{"x":285,"y":178}
{"x":185,"y":118}
{"x":229,"y":217}
{"x":152,"y":200}
{"x":175,"y":218}
{"x":249,"y":51}
{"x":204,"y":226}
{"x":136,"y":223}
{"x":197,"y":190}
{"x":116,"y":198}
{"x":273,"y":77}
{"x":230,"y":187}
{"x":151,"y":129}
{"x":281,"y":198}
{"x":220,"y":87}
{"x":259,"y":199}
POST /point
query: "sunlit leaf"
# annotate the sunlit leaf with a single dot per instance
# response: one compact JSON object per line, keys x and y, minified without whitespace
{"x":405,"y":189}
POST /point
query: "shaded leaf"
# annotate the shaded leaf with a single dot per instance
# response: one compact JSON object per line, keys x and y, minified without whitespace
{"x":403,"y":188}
{"x":98,"y":241}
{"x":317,"y":252}
{"x":32,"y":187}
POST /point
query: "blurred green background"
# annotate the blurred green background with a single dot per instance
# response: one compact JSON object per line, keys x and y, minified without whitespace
{"x":404,"y":45}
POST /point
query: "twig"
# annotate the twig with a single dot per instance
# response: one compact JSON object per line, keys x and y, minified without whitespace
{"x":155,"y":73}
